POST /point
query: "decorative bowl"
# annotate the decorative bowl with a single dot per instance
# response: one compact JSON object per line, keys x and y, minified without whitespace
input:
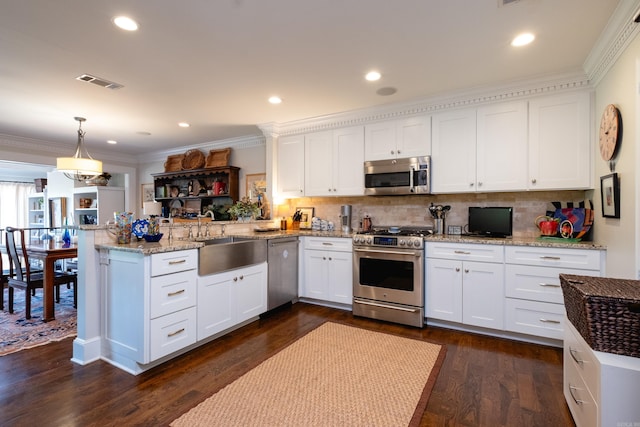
{"x":153,"y":237}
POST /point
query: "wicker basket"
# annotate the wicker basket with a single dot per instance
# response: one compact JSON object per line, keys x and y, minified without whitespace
{"x":193,"y":159}
{"x":173,"y":163}
{"x":605,"y":311}
{"x":218,"y":158}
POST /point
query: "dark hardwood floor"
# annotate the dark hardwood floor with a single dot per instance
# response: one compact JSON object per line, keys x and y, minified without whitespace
{"x":484,"y":381}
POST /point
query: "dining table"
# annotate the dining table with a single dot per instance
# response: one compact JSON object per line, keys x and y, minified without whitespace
{"x":50,"y":251}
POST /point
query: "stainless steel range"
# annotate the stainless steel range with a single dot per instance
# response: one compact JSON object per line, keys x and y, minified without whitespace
{"x":388,"y":274}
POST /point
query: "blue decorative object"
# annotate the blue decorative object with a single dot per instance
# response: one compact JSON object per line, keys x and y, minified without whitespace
{"x":153,"y":237}
{"x":140,"y":228}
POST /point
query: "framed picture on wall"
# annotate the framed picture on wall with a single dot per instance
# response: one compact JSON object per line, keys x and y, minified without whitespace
{"x":148,"y":193}
{"x":256,"y":184}
{"x":610,"y":193}
{"x":57,"y":211}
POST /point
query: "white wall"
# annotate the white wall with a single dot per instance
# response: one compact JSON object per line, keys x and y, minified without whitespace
{"x":619,"y":87}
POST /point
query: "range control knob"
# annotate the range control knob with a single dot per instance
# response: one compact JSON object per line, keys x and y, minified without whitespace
{"x":417,"y":243}
{"x":401,"y":242}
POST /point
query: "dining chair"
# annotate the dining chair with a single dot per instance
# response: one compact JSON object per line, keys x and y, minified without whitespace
{"x":23,"y":278}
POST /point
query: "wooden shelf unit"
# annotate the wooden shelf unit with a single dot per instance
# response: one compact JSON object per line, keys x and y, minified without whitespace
{"x":162,"y":182}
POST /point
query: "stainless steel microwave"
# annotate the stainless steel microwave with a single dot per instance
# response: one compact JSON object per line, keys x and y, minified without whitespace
{"x":410,"y":175}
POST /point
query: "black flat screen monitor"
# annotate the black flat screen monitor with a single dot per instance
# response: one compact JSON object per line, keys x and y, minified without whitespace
{"x":490,"y":221}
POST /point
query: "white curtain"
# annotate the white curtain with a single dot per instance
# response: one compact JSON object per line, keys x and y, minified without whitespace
{"x":13,"y":203}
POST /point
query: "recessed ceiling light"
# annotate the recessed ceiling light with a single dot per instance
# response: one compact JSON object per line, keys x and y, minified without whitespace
{"x":111,"y":141}
{"x":184,"y":124}
{"x":125,"y":23}
{"x":373,"y":76}
{"x":523,"y":39}
{"x":275,"y":100}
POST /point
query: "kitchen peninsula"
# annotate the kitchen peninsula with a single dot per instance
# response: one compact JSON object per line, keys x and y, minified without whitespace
{"x":121,"y":307}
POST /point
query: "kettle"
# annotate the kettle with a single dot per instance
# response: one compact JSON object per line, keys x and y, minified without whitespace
{"x":548,"y":226}
{"x":366,"y":224}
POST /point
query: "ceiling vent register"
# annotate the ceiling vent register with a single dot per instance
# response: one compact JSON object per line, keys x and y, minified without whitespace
{"x":99,"y":81}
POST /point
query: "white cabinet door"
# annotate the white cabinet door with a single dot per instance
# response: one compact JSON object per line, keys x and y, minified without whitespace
{"x":318,"y":164}
{"x":216,"y":304}
{"x":316,"y":275}
{"x":251,"y":291}
{"x":414,"y":137}
{"x":348,"y":161}
{"x":290,"y":166}
{"x":394,"y":139}
{"x":502,"y":147}
{"x":340,"y":277}
{"x":443,"y":293}
{"x":380,"y":141}
{"x":560,"y":142}
{"x":483,"y":294}
{"x":453,"y":152}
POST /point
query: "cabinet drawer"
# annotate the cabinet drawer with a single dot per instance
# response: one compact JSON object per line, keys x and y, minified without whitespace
{"x":172,"y":332}
{"x":173,"y":262}
{"x":172,"y":292}
{"x":578,"y":354}
{"x":328,"y":243}
{"x":540,"y":319}
{"x":536,"y":283}
{"x":466,"y":252}
{"x":582,"y":404}
{"x":583,"y":259}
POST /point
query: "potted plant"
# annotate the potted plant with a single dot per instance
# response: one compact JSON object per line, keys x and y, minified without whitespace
{"x":244,"y":209}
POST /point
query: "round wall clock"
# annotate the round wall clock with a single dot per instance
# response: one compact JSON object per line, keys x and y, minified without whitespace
{"x":610,"y":126}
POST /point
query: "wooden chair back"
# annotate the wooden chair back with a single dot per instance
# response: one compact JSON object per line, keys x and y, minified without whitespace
{"x":16,"y":255}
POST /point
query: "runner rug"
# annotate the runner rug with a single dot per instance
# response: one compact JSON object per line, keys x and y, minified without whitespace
{"x":17,"y":333}
{"x":336,"y":375}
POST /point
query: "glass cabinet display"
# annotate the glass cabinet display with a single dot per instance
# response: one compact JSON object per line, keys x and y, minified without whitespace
{"x":193,"y":192}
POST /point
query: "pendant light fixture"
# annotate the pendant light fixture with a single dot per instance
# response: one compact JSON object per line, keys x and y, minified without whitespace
{"x":81,"y":166}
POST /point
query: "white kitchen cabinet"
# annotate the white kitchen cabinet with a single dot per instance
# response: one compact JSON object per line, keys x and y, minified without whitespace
{"x":149,"y":306}
{"x":601,"y":389}
{"x":393,"y":139}
{"x":560,"y":142}
{"x":453,"y":152}
{"x":483,"y":149}
{"x":465,"y":284}
{"x":534,"y":303}
{"x":229,"y":298}
{"x":105,"y":201}
{"x":501,"y":147}
{"x":290,"y":161}
{"x":334,"y":162}
{"x":328,"y":269}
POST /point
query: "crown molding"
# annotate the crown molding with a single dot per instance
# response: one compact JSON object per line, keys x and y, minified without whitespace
{"x":516,"y":90}
{"x":619,"y":32}
{"x":238,"y":143}
{"x":48,"y":151}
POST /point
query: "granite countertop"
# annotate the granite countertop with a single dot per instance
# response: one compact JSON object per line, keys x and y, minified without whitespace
{"x":165,"y":245}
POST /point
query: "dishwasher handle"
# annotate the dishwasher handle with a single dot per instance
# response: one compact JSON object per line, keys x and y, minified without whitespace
{"x":277,"y":242}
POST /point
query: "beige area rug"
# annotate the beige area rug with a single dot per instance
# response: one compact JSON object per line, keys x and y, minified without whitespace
{"x":17,"y":333}
{"x":336,"y":375}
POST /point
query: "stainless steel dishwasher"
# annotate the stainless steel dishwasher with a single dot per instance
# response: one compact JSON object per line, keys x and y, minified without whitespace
{"x":282,"y":258}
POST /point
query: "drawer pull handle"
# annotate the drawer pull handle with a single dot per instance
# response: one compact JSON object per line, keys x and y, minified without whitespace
{"x":573,"y":353}
{"x":543,"y":320}
{"x":181,"y":261}
{"x":462,"y":252}
{"x":554,"y":258}
{"x":173,"y":294}
{"x":571,"y":390}
{"x":172,"y":334}
{"x":327,"y":244}
{"x":548,"y":285}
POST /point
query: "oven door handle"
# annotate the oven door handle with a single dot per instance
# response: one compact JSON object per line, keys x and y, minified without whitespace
{"x":374,"y":251}
{"x":392,"y":307}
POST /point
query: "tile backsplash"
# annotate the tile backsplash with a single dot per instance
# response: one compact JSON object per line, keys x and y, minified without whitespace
{"x":412,"y":210}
